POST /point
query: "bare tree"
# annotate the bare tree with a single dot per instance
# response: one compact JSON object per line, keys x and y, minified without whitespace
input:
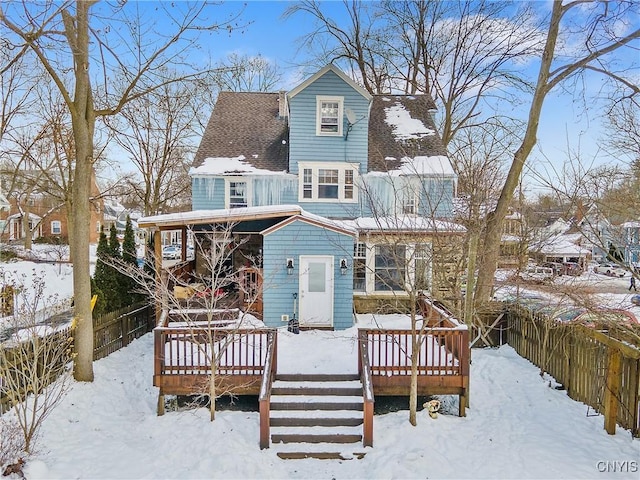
{"x":599,"y":40}
{"x":244,"y":73}
{"x":67,"y":39}
{"x":361,"y":45}
{"x":466,"y":55}
{"x":206,"y":304}
{"x":35,"y":360}
{"x":157,"y":132}
{"x":416,"y":253}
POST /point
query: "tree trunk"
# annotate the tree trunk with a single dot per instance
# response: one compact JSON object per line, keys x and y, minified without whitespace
{"x":493,"y":231}
{"x":83,"y":120}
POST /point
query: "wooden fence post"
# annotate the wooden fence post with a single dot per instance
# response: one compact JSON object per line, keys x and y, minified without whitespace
{"x":612,"y":390}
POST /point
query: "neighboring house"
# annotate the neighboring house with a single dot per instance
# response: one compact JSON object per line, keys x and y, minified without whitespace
{"x":347,"y":195}
{"x":116,"y":214}
{"x":513,"y":244}
{"x":561,"y":249}
{"x":47,"y":216}
{"x":631,"y":235}
{"x":596,"y":231}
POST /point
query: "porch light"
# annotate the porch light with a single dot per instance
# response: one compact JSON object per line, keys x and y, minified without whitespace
{"x":343,"y":266}
{"x":289,"y":266}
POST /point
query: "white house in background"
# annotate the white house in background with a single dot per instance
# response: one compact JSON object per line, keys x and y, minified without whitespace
{"x":560,"y":249}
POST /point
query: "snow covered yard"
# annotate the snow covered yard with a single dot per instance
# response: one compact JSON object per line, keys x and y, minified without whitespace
{"x":517,"y":427}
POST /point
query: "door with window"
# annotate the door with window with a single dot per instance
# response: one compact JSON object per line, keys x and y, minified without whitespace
{"x":316,"y":291}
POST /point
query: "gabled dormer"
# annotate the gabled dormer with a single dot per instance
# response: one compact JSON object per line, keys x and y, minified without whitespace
{"x":328,"y":123}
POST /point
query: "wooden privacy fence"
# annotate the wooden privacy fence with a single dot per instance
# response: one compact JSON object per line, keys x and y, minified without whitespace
{"x":594,"y":368}
{"x":116,"y":330}
{"x":111,"y":332}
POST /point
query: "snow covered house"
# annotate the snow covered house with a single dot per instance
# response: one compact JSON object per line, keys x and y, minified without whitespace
{"x":346,"y":195}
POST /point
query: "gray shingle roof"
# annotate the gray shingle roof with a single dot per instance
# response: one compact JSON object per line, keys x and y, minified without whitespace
{"x":383,"y":144}
{"x":248,"y":124}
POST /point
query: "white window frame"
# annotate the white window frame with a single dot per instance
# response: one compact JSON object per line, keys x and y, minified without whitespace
{"x":56,"y":225}
{"x":227,"y":190}
{"x":320,"y":99}
{"x":360,"y":259}
{"x":308,"y":192}
{"x":412,"y":254}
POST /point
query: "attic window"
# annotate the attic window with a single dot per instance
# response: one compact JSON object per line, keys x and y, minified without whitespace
{"x":329,"y":115}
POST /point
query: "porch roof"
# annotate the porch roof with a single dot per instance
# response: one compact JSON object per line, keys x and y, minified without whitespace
{"x":404,"y":224}
{"x":199,"y":217}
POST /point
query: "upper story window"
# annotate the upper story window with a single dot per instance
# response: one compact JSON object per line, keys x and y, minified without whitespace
{"x":56,"y":227}
{"x":329,"y":115}
{"x":237,"y":194}
{"x":328,"y":182}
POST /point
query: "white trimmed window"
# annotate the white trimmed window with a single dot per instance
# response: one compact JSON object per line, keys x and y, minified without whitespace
{"x":328,"y":182}
{"x":422,"y":266}
{"x":329,"y":115}
{"x":236,"y":193}
{"x":360,"y":267}
{"x":56,"y":227}
{"x":392,"y":268}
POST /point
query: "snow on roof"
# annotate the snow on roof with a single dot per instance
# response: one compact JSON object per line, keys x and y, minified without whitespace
{"x":403,"y":125}
{"x":561,"y":246}
{"x":225,"y":165}
{"x":239,"y":214}
{"x":408,"y":223}
{"x":634,"y":224}
{"x":421,"y":165}
{"x":200,"y":216}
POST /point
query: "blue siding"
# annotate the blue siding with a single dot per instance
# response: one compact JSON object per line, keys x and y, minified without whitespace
{"x":305,"y":145}
{"x":207,"y":193}
{"x":383,"y":196}
{"x":291,"y":241}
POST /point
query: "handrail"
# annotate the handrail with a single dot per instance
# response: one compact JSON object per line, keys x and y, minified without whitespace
{"x":270,"y":368}
{"x":364,"y":369}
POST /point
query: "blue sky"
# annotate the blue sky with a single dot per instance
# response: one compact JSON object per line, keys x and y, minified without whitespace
{"x":268,"y":34}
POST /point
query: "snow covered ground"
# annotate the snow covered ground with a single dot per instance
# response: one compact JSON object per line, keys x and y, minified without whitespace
{"x":516,"y":427}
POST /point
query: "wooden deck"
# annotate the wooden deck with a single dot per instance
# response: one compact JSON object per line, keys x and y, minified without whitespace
{"x":245,"y":360}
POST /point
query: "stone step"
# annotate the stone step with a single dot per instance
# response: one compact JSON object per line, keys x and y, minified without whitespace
{"x":315,"y":422}
{"x":315,"y":438}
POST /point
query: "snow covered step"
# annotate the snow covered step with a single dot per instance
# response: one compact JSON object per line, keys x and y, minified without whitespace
{"x":315,"y":438}
{"x":318,"y":409}
{"x":322,"y":451}
{"x":317,"y":377}
{"x":292,"y":421}
{"x":316,"y":414}
{"x":317,"y":388}
{"x":310,"y":405}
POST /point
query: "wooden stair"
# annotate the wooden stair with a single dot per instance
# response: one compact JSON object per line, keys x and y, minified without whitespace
{"x":317,"y":416}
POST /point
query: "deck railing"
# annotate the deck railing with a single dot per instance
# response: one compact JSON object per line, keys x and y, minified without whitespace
{"x":184,"y":354}
{"x":364,"y":369}
{"x":442,"y":367}
{"x":268,"y":375}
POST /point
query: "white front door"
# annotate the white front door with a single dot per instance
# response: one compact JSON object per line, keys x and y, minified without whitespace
{"x":316,"y":291}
